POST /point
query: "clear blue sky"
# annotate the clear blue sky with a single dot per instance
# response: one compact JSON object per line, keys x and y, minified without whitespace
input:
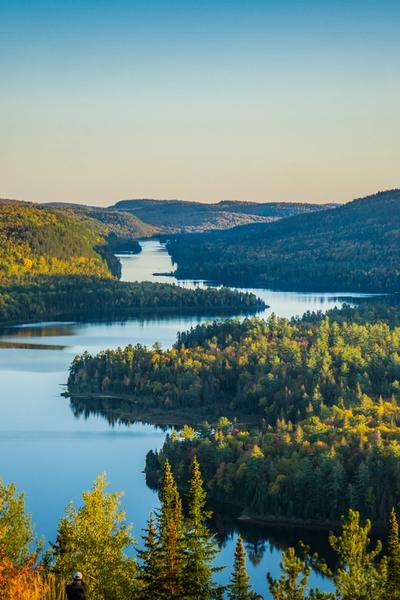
{"x":200,"y":100}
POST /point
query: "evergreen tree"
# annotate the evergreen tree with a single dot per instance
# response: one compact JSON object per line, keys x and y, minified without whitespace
{"x":292,"y":585}
{"x":200,"y":546}
{"x":239,"y":587}
{"x":393,"y":559}
{"x":171,"y":538}
{"x":150,"y":568}
{"x":357,"y":576}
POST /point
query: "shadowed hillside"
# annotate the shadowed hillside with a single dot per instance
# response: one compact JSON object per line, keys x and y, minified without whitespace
{"x":353,"y":247}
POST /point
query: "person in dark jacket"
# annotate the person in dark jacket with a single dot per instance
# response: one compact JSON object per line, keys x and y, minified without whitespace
{"x":77,"y":590}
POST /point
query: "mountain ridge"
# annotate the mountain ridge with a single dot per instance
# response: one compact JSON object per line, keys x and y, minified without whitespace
{"x":354,"y":247}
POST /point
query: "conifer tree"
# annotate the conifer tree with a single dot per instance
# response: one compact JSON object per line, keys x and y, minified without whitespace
{"x":200,"y":546}
{"x":239,"y":587}
{"x":393,"y":559}
{"x":171,"y":538}
{"x":150,"y":568}
{"x":292,"y":585}
{"x":358,"y":577}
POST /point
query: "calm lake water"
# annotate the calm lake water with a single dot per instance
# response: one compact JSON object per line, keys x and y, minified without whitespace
{"x":54,"y":456}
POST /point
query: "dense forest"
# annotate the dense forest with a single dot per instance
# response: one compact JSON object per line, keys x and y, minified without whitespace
{"x":172,"y":216}
{"x":37,"y":241}
{"x":176,"y":557}
{"x":78,"y":297}
{"x":321,"y":397}
{"x":59,"y":262}
{"x":354,"y":247}
{"x":120,"y":229}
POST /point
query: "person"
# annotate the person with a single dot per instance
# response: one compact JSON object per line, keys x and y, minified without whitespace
{"x":258,"y":597}
{"x":77,"y":590}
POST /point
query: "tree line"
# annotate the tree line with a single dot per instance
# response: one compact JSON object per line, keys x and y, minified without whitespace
{"x":176,"y":559}
{"x":78,"y":297}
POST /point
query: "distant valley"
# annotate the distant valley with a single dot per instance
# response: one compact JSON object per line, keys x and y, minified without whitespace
{"x":174,"y":216}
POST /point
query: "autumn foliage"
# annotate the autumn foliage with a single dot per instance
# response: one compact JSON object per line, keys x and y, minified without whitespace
{"x":22,"y":582}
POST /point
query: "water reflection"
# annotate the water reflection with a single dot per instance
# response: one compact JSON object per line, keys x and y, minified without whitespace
{"x":27,"y":346}
{"x":115,"y":411}
{"x":261,"y":538}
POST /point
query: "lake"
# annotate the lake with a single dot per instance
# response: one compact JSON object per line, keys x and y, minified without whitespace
{"x":54,"y":456}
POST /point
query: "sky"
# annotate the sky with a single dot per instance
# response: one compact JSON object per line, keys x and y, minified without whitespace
{"x":200,"y":100}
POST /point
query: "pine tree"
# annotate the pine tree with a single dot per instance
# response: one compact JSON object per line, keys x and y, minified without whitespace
{"x":150,"y":568}
{"x":239,"y":587}
{"x":200,"y":546}
{"x":393,"y":559}
{"x":292,"y":584}
{"x":357,"y":576}
{"x":171,"y":538}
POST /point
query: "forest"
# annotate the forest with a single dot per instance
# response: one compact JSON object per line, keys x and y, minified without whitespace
{"x":354,"y":247}
{"x":175,"y":558}
{"x":38,"y":241}
{"x":316,"y":400}
{"x":58,"y":262}
{"x":120,"y":229}
{"x":79,"y":298}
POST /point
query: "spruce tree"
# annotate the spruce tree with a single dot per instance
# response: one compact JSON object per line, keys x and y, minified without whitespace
{"x":393,"y":559}
{"x":150,"y":568}
{"x":171,"y":538}
{"x":200,"y":546}
{"x":239,"y":587}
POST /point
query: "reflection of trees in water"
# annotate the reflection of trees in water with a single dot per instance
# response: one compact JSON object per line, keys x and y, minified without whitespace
{"x":53,"y":330}
{"x":115,"y":411}
{"x":260,"y":538}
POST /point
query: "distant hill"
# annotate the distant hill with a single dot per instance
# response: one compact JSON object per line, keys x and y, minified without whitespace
{"x":353,"y":247}
{"x":121,"y":229}
{"x":173,"y":216}
{"x":39,"y":240}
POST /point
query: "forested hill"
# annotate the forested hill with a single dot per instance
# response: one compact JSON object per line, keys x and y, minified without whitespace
{"x":353,"y":247}
{"x":121,"y":229}
{"x":173,"y":216}
{"x":58,"y":263}
{"x":37,"y":240}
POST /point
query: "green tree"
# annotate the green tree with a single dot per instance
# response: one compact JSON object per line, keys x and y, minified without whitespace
{"x":358,"y":577}
{"x":16,"y":531}
{"x":171,"y":538}
{"x":150,"y":567}
{"x":393,"y":559}
{"x":239,"y":587}
{"x":200,"y":546}
{"x":293,"y":583}
{"x":93,"y":540}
